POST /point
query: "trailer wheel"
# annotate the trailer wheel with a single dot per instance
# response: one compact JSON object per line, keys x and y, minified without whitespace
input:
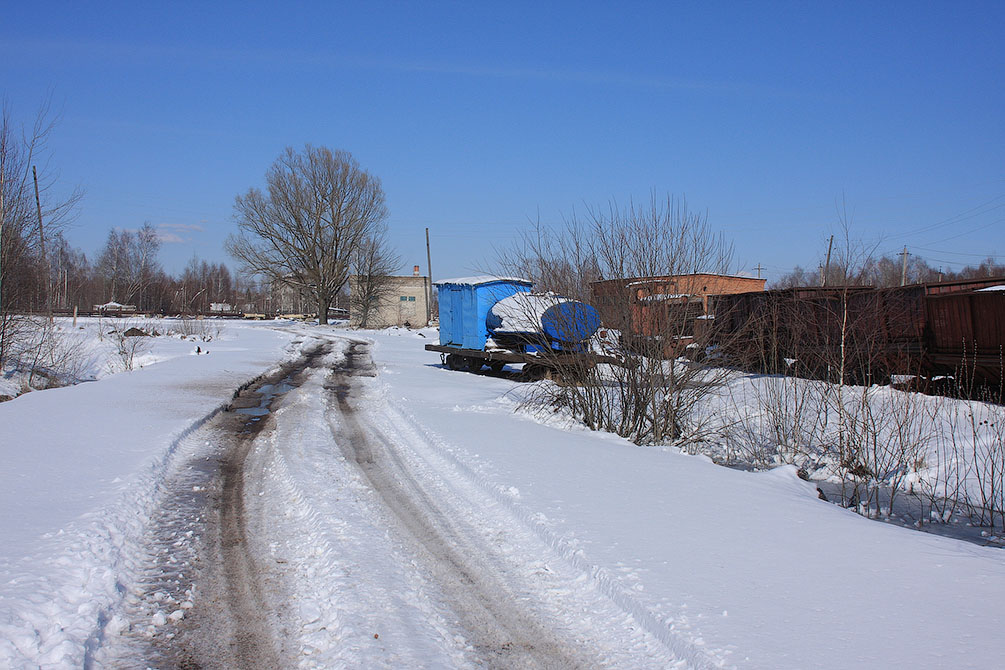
{"x":463,"y":363}
{"x":456,"y":362}
{"x":533,"y":372}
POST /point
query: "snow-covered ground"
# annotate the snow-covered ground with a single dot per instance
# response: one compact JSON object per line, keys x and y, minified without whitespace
{"x":80,"y":469}
{"x":663,"y":558}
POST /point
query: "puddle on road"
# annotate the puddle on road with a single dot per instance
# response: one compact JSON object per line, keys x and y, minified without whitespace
{"x":265,"y":395}
{"x":187,"y":558}
{"x":256,"y":403}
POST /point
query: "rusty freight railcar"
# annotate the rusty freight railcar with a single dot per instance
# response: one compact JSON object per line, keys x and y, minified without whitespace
{"x":867,"y":334}
{"x":806,"y":330}
{"x":965,"y":336}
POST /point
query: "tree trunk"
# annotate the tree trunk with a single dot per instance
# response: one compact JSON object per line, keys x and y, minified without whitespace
{"x":323,"y":304}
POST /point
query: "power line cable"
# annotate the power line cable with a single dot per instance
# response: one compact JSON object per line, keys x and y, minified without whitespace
{"x":962,"y":216}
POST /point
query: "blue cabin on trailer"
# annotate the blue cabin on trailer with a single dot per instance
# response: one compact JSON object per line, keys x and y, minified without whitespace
{"x":465,"y":304}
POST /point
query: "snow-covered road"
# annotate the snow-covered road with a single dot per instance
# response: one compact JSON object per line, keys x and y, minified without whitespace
{"x":334,"y":535}
{"x":511,"y":600}
{"x":403,"y":515}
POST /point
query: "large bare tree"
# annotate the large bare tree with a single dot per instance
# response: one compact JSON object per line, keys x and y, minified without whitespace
{"x":318,"y":208}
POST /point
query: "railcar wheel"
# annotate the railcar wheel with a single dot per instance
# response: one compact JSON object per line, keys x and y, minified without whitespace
{"x":496,"y":366}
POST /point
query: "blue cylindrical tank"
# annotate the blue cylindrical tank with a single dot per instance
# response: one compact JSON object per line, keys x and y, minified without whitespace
{"x":560,"y":319}
{"x":571,"y":321}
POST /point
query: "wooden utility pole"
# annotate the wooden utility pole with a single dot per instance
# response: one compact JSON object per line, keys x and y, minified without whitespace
{"x":903,"y":267}
{"x":758,"y":268}
{"x":41,"y":241}
{"x":3,"y":214}
{"x":429,"y":284}
{"x":827,"y":267}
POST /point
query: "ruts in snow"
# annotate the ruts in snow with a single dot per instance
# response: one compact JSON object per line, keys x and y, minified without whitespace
{"x":329,"y":531}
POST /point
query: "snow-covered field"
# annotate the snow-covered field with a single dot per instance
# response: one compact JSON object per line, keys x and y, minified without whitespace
{"x":661,"y":558}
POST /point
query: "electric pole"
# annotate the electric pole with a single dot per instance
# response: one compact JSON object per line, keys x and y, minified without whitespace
{"x":429,"y":283}
{"x":41,"y":241}
{"x":827,"y":268}
{"x":3,"y":214}
{"x":758,"y":268}
{"x":903,"y":267}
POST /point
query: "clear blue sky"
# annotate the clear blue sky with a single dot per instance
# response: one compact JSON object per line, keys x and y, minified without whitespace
{"x":481,"y":117}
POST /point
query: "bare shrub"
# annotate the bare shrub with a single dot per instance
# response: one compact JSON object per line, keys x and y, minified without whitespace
{"x":942,"y":472}
{"x":986,"y":423}
{"x":883,"y":437}
{"x":43,"y":357}
{"x":128,"y":345}
{"x":195,"y":329}
{"x":780,"y":420}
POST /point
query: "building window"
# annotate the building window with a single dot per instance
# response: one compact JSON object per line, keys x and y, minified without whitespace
{"x":403,"y":298}
{"x":411,"y":298}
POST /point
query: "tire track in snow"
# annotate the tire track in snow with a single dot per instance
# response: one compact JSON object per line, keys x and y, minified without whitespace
{"x":520,"y":601}
{"x":357,"y":599}
{"x":391,"y":426}
{"x":504,"y":634}
{"x":238,"y":580}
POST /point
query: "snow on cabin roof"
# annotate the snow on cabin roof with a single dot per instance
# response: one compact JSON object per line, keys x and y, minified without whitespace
{"x":1000,"y":287}
{"x":482,"y":279}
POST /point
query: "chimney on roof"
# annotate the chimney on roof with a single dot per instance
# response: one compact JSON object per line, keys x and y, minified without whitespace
{"x":415,"y":271}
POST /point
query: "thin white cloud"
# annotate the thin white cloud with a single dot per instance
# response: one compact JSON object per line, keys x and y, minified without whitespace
{"x":181,"y":226}
{"x":286,"y":58}
{"x":171,"y":238}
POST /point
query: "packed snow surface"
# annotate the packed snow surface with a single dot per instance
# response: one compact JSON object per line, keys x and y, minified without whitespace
{"x":669,"y":559}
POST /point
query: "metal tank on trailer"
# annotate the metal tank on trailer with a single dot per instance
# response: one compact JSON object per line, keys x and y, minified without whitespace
{"x":534,"y":322}
{"x":492,"y":321}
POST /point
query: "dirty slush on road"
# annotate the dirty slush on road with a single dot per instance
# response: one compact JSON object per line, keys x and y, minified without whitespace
{"x":210,"y":574}
{"x":202,"y":550}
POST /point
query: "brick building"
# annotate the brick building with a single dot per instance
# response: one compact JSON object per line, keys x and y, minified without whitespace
{"x":403,"y":303}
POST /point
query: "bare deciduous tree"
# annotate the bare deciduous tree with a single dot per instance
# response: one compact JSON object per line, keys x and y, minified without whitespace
{"x":650,"y":398}
{"x":128,"y":263}
{"x":319,"y":207}
{"x":23,"y":276}
{"x":373,"y":263}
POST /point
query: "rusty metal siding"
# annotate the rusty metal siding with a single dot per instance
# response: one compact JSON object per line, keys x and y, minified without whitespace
{"x":950,"y":323}
{"x":976,"y":320}
{"x":989,"y":326}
